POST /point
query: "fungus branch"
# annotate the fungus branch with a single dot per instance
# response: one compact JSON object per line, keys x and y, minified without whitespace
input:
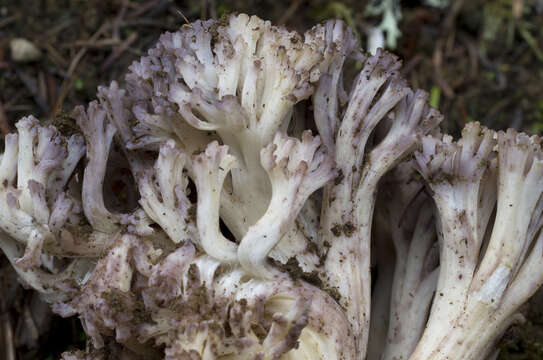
{"x":349,"y":201}
{"x":475,"y":286}
{"x":296,"y":169}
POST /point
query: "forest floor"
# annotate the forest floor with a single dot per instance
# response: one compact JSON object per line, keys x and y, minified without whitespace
{"x":479,"y":60}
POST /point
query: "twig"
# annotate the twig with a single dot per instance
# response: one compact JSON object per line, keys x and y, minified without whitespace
{"x":502,"y":104}
{"x":473,"y":55}
{"x":54,"y":55}
{"x":149,"y":22}
{"x":437,"y":60}
{"x":9,"y":348}
{"x":462,"y":110}
{"x":42,"y":87}
{"x":450,"y":42}
{"x":3,"y":63}
{"x":32,"y":329}
{"x":20,"y":108}
{"x":94,"y":44}
{"x":31,"y":85}
{"x":456,"y":6}
{"x":57,"y":28}
{"x":203,"y":9}
{"x":9,"y":20}
{"x":142,"y":9}
{"x":51,"y":90}
{"x":81,"y":53}
{"x":136,"y":52}
{"x":69,"y":80}
{"x":4,"y":124}
{"x":411,"y":64}
{"x":13,"y":99}
{"x":213,"y":9}
{"x":118,"y":20}
{"x":179,"y":13}
{"x":290,"y":11}
{"x":518,"y":8}
{"x":64,"y":89}
{"x":119,"y":50}
{"x":518,"y":119}
{"x":531,"y":41}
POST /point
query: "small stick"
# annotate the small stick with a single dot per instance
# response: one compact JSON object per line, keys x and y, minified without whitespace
{"x":437,"y":60}
{"x":9,"y":20}
{"x":119,"y":50}
{"x":118,"y":20}
{"x":290,"y":11}
{"x":212,"y":9}
{"x":31,"y":85}
{"x":203,"y":9}
{"x":9,"y":348}
{"x":51,"y":90}
{"x":4,"y":125}
{"x":95,"y":44}
{"x":82,"y":52}
{"x":56,"y":29}
{"x":68,"y":82}
{"x":54,"y":55}
{"x":42,"y":86}
{"x":180,"y":13}
{"x":142,"y":9}
{"x":31,"y":327}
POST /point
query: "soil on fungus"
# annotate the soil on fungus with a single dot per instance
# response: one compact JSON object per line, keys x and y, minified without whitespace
{"x":479,"y":60}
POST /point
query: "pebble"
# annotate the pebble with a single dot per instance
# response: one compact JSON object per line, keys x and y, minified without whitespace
{"x":23,"y":51}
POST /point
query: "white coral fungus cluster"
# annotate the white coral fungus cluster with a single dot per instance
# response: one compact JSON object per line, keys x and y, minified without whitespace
{"x":224,"y":204}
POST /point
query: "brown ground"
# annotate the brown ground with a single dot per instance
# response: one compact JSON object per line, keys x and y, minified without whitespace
{"x":480,"y":60}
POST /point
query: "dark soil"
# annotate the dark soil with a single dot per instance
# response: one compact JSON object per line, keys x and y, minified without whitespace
{"x":480,"y":61}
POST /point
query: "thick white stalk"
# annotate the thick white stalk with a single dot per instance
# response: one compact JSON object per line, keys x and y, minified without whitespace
{"x":347,"y":266}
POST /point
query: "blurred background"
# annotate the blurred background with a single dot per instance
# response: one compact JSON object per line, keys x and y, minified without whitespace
{"x":479,"y":60}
